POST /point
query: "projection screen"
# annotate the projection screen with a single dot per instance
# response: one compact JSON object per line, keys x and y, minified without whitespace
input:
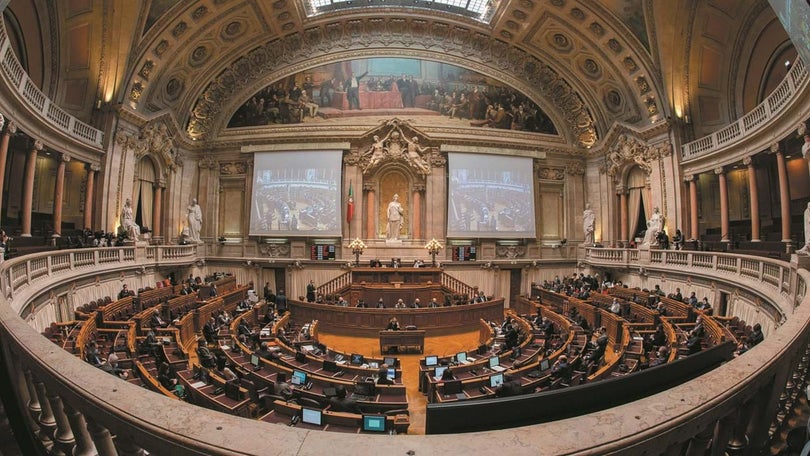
{"x":490,"y":196}
{"x":296,"y":194}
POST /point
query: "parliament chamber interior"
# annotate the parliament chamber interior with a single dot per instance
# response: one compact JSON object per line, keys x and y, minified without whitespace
{"x":294,"y":227}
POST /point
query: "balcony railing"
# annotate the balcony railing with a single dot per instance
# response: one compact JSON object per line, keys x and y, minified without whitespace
{"x":74,"y":408}
{"x":38,"y":102}
{"x":790,"y":89}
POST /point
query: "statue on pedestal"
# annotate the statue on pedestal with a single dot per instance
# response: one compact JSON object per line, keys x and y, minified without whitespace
{"x":394,"y":218}
{"x":194,"y":221}
{"x":128,"y":226}
{"x":654,"y":225}
{"x":588,"y":225}
{"x":805,"y":250}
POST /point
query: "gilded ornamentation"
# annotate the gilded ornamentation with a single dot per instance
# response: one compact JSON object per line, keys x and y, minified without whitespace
{"x":136,"y":92}
{"x":146,"y":69}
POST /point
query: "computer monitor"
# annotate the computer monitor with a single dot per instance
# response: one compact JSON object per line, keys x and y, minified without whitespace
{"x":301,"y":357}
{"x":496,"y":380}
{"x":439,"y":372}
{"x":299,"y":377}
{"x":329,"y":366}
{"x":330,"y":391}
{"x":357,"y":359}
{"x":364,"y":388}
{"x":452,"y":387}
{"x":373,"y":423}
{"x":461,"y":357}
{"x":544,"y":364}
{"x":391,"y":374}
{"x":482,"y":349}
{"x":431,"y":360}
{"x":494,"y":361}
{"x":311,"y":416}
{"x":373,"y":364}
{"x":254,"y":360}
{"x":391,"y":361}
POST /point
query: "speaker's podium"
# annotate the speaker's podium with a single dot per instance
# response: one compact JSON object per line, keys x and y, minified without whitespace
{"x":407,"y":341}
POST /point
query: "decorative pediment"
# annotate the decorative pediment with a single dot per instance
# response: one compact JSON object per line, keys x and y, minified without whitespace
{"x":155,"y":139}
{"x":396,"y":141}
{"x":627,"y":151}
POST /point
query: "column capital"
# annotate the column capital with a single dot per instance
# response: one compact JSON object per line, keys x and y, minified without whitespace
{"x":2,"y":121}
{"x":690,"y":178}
{"x":748,"y":161}
{"x":719,"y":170}
{"x":419,"y":187}
{"x":94,"y":167}
{"x":37,"y":145}
{"x":66,"y":157}
{"x":368,"y":186}
{"x":621,"y":190}
{"x":11,"y":128}
{"x":775,"y":148}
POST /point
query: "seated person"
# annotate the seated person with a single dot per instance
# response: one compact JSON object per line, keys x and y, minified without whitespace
{"x":341,"y":403}
{"x":661,"y":357}
{"x":756,"y":335}
{"x":561,"y":369}
{"x":342,"y":302}
{"x":433,"y":303}
{"x":393,"y":324}
{"x":509,"y":387}
{"x":361,"y":303}
{"x":382,"y":376}
{"x":205,"y":356}
{"x":150,"y":343}
{"x":166,"y":376}
{"x":400,"y":304}
{"x":157,"y":321}
{"x":210,"y":330}
{"x":380,"y":304}
{"x":125,"y":292}
{"x":91,"y":354}
{"x":694,"y":344}
{"x":224,"y":371}
{"x":448,"y":375}
{"x":416,"y":304}
{"x":283,"y":388}
{"x":110,"y":366}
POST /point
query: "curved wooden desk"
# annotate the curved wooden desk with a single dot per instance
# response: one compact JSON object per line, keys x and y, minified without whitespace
{"x":368,"y":322}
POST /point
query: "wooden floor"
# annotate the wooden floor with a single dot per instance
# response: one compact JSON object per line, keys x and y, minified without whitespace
{"x":435,"y":344}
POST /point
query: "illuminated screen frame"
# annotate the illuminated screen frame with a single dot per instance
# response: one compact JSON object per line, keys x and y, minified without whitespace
{"x":297,"y":193}
{"x":490,"y":196}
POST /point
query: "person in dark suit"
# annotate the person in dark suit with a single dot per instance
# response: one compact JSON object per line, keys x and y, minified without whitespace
{"x":510,"y":387}
{"x":382,"y":376}
{"x":352,"y":87}
{"x":393,"y":324}
{"x":281,"y":303}
{"x":756,"y":335}
{"x":311,"y":291}
{"x":341,"y":403}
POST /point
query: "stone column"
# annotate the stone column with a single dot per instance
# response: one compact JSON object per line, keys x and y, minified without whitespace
{"x":58,"y":194}
{"x":622,"y":192}
{"x":89,"y":194}
{"x":784,"y":191}
{"x":11,"y":129}
{"x":721,"y":176}
{"x":753,"y":196}
{"x":416,"y":219}
{"x":157,"y":208}
{"x":694,"y":227}
{"x":368,"y":188}
{"x":28,"y":187}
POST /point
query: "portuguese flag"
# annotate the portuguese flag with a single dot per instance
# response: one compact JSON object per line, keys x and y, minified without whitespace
{"x":350,"y":207}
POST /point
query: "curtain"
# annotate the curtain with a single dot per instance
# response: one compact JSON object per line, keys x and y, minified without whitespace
{"x":633,"y":205}
{"x":136,"y":196}
{"x":147,"y":198}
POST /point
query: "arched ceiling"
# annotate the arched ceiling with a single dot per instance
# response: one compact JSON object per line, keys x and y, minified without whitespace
{"x":579,"y":61}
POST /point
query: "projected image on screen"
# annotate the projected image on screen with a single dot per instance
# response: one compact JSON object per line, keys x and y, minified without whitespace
{"x":296,"y":193}
{"x":490,"y":196}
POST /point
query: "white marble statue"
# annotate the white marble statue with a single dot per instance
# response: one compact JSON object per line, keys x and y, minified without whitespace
{"x":394,"y":218}
{"x":654,"y":226}
{"x":588,"y":225}
{"x":128,"y":225}
{"x":805,"y":250}
{"x":194,"y":221}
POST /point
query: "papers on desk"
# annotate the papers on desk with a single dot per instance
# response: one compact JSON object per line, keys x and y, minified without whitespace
{"x":225,"y":347}
{"x":198,"y":384}
{"x":498,"y":368}
{"x":308,"y":348}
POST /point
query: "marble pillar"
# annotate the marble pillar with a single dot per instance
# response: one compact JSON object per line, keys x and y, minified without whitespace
{"x":28,"y":187}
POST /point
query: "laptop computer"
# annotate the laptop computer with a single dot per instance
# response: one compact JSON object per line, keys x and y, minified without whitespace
{"x":495,"y":364}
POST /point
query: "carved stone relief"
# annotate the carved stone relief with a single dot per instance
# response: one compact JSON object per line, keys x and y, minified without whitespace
{"x":510,"y":251}
{"x":630,"y":150}
{"x":392,"y":143}
{"x":275,"y":250}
